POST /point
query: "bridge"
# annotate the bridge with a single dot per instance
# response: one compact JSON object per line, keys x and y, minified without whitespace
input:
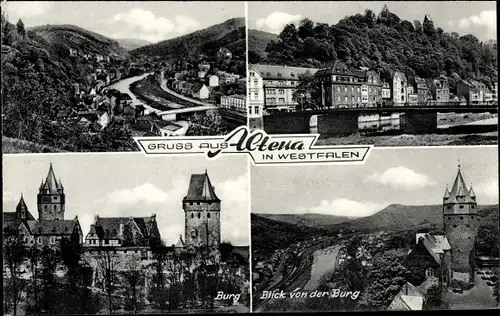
{"x":414,"y":119}
{"x":174,"y":114}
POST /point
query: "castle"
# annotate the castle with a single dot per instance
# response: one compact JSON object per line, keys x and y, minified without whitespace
{"x":443,"y":259}
{"x":136,"y":234}
{"x":51,"y":226}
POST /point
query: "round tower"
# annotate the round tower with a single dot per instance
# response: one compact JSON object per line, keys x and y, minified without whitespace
{"x":202,"y":215}
{"x":51,"y":199}
{"x":460,"y":227}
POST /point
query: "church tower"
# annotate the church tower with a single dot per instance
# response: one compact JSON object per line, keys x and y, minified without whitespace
{"x":202,"y":215}
{"x":460,"y":227}
{"x":51,"y":198}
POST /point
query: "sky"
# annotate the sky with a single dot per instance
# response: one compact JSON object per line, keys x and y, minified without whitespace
{"x":115,"y":185}
{"x":410,"y":176}
{"x":149,"y":20}
{"x":464,"y":17}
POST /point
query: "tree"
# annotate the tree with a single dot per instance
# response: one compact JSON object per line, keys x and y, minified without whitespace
{"x":107,"y":263}
{"x":13,"y":256}
{"x":20,"y":28}
{"x":306,"y":29}
{"x":34,"y":259}
{"x":48,"y":264}
{"x":159,"y":290}
{"x":133,"y":272}
{"x":306,"y":93}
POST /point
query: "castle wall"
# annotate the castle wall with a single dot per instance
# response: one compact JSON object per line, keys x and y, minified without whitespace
{"x":202,"y":223}
{"x":461,"y":232}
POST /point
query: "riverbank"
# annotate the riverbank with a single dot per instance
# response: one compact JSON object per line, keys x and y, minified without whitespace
{"x":151,"y":94}
{"x":413,"y":140}
{"x":323,"y":266}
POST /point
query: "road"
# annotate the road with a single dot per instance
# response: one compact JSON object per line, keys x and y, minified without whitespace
{"x":479,"y":297}
{"x":163,"y":85}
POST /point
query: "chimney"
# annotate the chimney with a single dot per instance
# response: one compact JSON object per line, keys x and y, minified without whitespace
{"x":153,"y":217}
{"x":96,"y":218}
{"x":76,"y":217}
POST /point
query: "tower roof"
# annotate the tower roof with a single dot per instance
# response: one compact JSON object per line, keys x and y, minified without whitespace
{"x":201,"y":189}
{"x":51,"y":183}
{"x":22,"y":210}
{"x":459,"y":191}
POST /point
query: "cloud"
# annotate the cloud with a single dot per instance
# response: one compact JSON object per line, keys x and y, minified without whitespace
{"x":146,"y":199}
{"x":485,"y":19}
{"x":235,"y":214}
{"x":147,"y":193}
{"x":276,"y":21}
{"x":401,"y":178}
{"x":488,"y":191}
{"x":143,"y":24}
{"x":9,"y":196}
{"x":21,"y":10}
{"x":346,"y":207}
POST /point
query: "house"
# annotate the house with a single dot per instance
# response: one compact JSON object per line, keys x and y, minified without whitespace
{"x":278,"y":85}
{"x":73,"y":52}
{"x":200,"y":91}
{"x":153,"y":125}
{"x":202,"y":74}
{"x":204,"y":66}
{"x":386,"y":92}
{"x":123,"y":232}
{"x":374,"y":84}
{"x":341,"y":87}
{"x":103,"y":118}
{"x":412,"y":96}
{"x":423,"y":92}
{"x":255,"y":88}
{"x":224,"y":53}
{"x":440,"y":89}
{"x":409,"y":298}
{"x":474,"y":91}
{"x":399,"y":89}
{"x":213,"y":81}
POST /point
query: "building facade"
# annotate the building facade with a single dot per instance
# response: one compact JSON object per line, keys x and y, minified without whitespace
{"x":440,"y":90}
{"x":51,"y":226}
{"x":341,"y":87}
{"x":374,"y":88}
{"x":279,"y":84}
{"x":399,"y":89}
{"x":202,"y":210}
{"x":256,"y":99}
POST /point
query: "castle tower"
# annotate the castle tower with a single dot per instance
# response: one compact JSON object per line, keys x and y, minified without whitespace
{"x":22,"y":212}
{"x":460,"y":227}
{"x":202,"y":215}
{"x":51,"y":198}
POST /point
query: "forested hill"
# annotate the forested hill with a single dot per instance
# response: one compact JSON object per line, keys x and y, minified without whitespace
{"x":229,"y":34}
{"x":71,"y":36}
{"x":385,"y":43}
{"x":38,"y":74}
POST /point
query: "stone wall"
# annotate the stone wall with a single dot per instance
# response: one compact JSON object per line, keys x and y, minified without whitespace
{"x":461,"y":232}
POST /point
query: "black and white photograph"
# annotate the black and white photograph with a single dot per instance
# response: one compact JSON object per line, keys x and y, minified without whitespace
{"x":407,"y":73}
{"x":398,"y":233}
{"x":80,"y":76}
{"x":83,"y":234}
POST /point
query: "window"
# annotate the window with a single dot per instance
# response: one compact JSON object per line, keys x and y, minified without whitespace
{"x":461,"y":206}
{"x":106,"y":242}
{"x":199,"y":215}
{"x":256,"y":110}
{"x":454,"y":226}
{"x":357,"y":89}
{"x":279,"y":74}
{"x":281,"y":100}
{"x":461,"y":217}
{"x":402,"y":90}
{"x":39,"y":240}
{"x":281,"y":91}
{"x":208,"y":215}
{"x":429,"y":272}
{"x":345,"y":89}
{"x":52,"y":240}
{"x":449,"y":217}
{"x":338,"y":89}
{"x":252,"y":74}
{"x":338,"y":98}
{"x":255,"y":95}
{"x":352,"y":89}
{"x":345,"y":99}
{"x":192,"y":215}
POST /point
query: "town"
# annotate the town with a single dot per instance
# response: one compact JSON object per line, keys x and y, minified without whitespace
{"x":273,"y":89}
{"x":426,"y":268}
{"x":121,"y":264}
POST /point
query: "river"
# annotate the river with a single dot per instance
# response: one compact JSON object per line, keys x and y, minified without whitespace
{"x":323,"y":266}
{"x":124,"y":87}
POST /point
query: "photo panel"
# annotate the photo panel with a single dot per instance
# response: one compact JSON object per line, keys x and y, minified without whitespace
{"x":382,"y":73}
{"x":410,"y":229}
{"x":86,"y":76}
{"x":123,"y":233}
